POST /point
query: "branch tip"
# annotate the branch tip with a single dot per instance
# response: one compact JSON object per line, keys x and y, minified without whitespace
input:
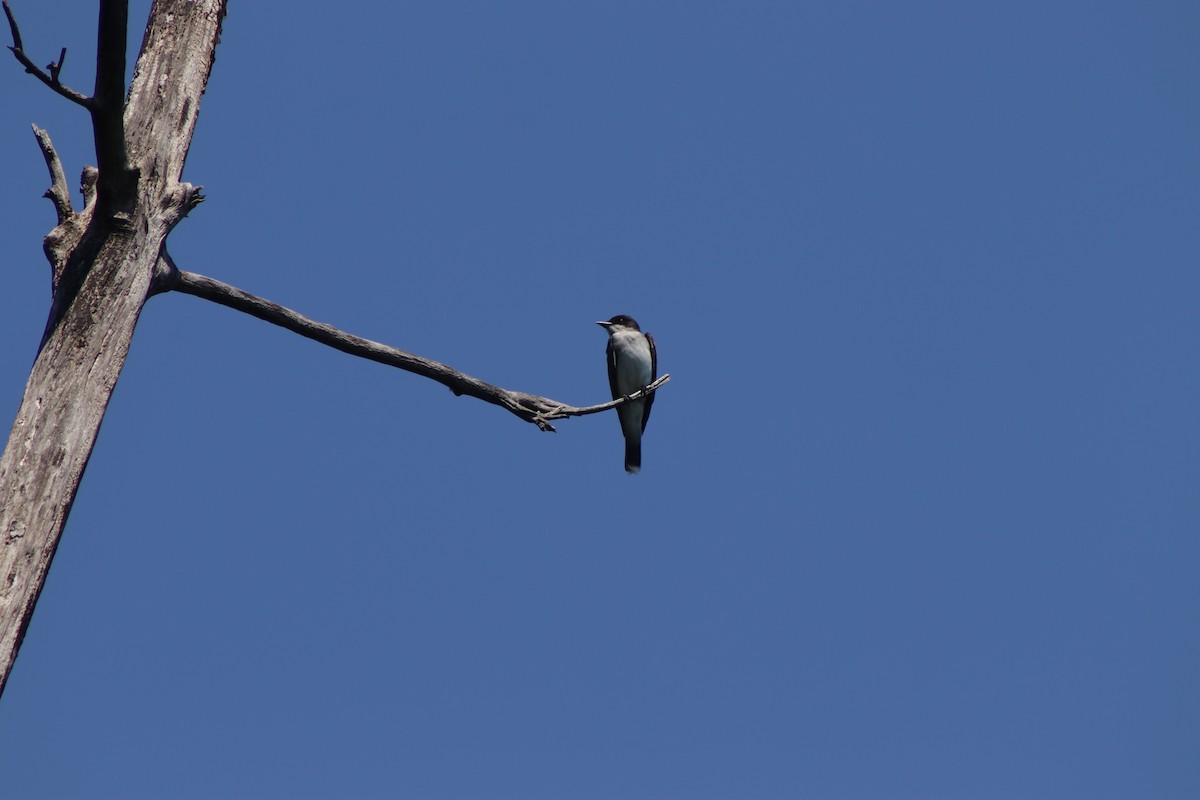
{"x":56,"y":67}
{"x":12,"y":27}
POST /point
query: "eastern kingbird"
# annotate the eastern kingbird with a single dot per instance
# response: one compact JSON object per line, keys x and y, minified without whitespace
{"x":632,"y":364}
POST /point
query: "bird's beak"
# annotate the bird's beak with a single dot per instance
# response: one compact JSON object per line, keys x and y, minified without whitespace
{"x":604,"y":323}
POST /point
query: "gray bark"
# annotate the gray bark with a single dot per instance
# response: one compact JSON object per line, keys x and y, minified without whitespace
{"x":104,"y":261}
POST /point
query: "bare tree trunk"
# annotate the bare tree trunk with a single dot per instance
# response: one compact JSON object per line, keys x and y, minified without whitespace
{"x":104,"y":261}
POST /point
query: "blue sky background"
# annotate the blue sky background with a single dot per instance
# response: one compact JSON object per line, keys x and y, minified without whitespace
{"x":918,"y":515}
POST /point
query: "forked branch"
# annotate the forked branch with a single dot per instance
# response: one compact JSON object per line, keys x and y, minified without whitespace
{"x":50,"y":79}
{"x":529,"y":407}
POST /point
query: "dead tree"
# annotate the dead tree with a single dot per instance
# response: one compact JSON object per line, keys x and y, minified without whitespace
{"x":109,"y":257}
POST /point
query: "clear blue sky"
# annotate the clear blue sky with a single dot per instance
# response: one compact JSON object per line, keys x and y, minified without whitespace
{"x":918,"y":515}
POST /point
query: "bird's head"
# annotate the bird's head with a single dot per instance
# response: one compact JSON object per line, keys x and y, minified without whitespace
{"x":621,"y":322}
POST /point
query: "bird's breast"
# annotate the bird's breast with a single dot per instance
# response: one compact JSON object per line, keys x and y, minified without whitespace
{"x":633,"y":362}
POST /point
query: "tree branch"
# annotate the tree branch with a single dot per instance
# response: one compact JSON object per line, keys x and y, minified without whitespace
{"x":50,"y":80}
{"x":111,"y":32}
{"x":58,"y":193}
{"x":108,"y":106}
{"x":65,"y":236}
{"x":650,"y":388}
{"x":529,"y":407}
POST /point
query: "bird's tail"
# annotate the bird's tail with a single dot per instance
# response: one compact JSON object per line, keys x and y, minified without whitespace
{"x":633,"y":456}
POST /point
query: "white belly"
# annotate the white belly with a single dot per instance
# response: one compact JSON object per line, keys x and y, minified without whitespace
{"x":634,"y":367}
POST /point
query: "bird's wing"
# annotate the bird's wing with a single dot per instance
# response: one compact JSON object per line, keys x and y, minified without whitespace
{"x":653,"y":378}
{"x":611,"y":356}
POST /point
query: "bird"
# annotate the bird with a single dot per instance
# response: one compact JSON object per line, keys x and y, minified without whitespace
{"x":632,"y":364}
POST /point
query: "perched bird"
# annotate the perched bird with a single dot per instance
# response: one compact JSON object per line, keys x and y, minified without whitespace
{"x":632,"y":364}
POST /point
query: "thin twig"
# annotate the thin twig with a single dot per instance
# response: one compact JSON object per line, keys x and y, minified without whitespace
{"x":650,"y":388}
{"x":51,"y":80}
{"x":529,"y":407}
{"x":58,"y":193}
